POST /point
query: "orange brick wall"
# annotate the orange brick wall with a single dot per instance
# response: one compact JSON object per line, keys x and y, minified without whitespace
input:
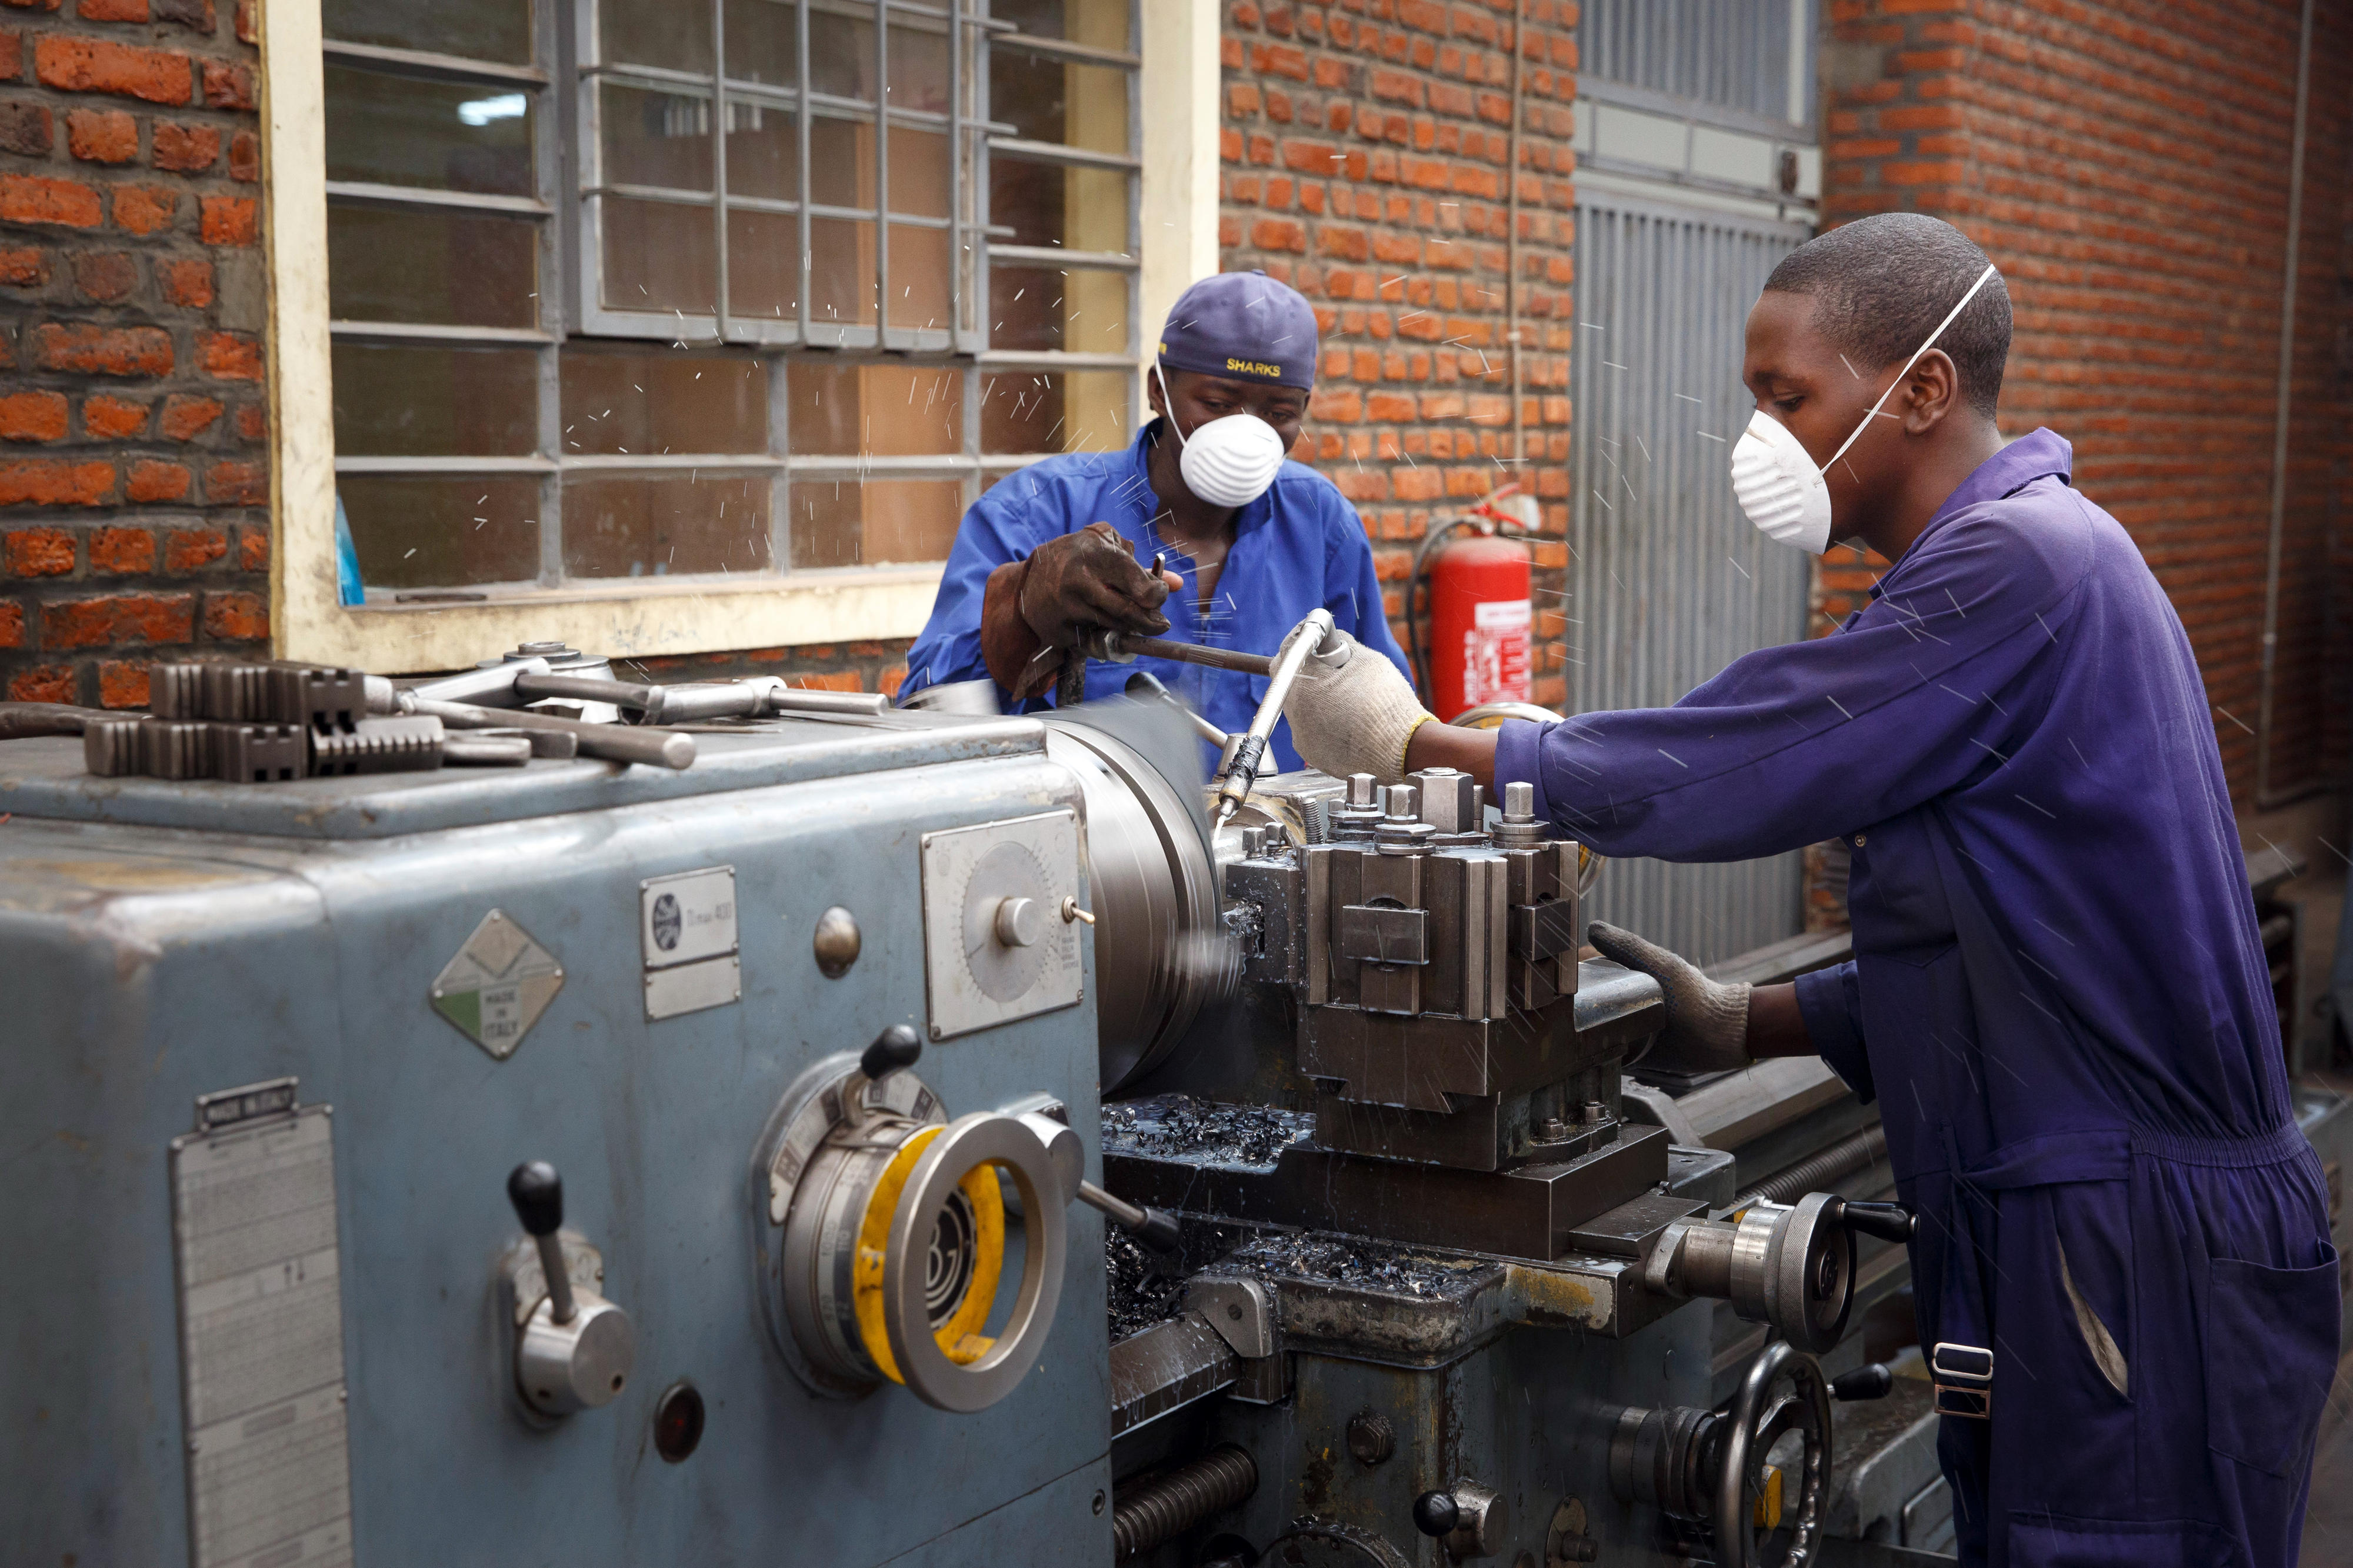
{"x":133,"y":480}
{"x":1367,"y":163}
{"x":2127,"y":164}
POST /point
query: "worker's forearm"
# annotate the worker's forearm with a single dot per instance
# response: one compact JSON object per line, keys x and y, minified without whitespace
{"x":1776,"y":1027}
{"x":1437,"y":745}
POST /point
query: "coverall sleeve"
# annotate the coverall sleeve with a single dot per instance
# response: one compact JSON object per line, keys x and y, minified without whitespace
{"x":1830,"y":1001}
{"x":993,"y":532}
{"x":1794,"y":744}
{"x":1352,"y":588}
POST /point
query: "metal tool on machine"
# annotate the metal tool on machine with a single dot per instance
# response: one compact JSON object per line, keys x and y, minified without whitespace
{"x":574,"y":1350}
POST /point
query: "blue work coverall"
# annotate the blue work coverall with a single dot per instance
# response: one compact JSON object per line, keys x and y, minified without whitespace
{"x":2059,"y":999}
{"x":1297,"y":547}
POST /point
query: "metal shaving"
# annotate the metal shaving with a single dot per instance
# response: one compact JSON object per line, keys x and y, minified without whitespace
{"x":1179,"y":1126}
{"x":1141,"y":1293}
{"x":1361,"y":1264}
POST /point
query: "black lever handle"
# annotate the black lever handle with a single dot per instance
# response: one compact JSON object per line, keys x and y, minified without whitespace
{"x":1872,"y":1382}
{"x":537,"y":1194}
{"x":1436,"y":1513}
{"x":1888,"y":1222}
{"x":895,"y":1047}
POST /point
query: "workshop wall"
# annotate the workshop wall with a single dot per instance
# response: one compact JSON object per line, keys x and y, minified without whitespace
{"x":134,"y":484}
{"x":1366,"y":147}
{"x":2127,"y":165}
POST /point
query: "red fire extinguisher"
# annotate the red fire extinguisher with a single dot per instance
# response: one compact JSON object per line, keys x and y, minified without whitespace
{"x":1482,"y":617}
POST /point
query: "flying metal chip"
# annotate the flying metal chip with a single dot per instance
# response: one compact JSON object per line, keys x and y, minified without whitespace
{"x":498,"y":985}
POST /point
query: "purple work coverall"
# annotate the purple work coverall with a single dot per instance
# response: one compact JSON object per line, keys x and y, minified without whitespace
{"x":2059,"y":999}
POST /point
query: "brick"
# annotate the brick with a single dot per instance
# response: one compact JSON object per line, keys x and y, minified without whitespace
{"x":196,"y":15}
{"x":228,"y":86}
{"x":117,"y":620}
{"x":121,"y":551}
{"x":105,"y":418}
{"x":185,"y":282}
{"x":37,"y":553}
{"x":253,"y":422}
{"x":150,"y":481}
{"x":253,"y":549}
{"x":1278,"y":233}
{"x":25,"y":128}
{"x":33,"y":416}
{"x":228,"y":220}
{"x":245,"y":157}
{"x":100,"y":64}
{"x":102,"y":135}
{"x":233,"y":483}
{"x":122,"y":683}
{"x":101,"y":350}
{"x":230,"y":356}
{"x":186,"y":417}
{"x":144,"y":209}
{"x":113,"y":10}
{"x":185,"y":149}
{"x":12,"y":55}
{"x":105,"y":277}
{"x":193,"y":549}
{"x":12,"y":625}
{"x":36,"y":199}
{"x":23,"y":268}
{"x":845,"y":680}
{"x":55,"y":484}
{"x":42,"y":683}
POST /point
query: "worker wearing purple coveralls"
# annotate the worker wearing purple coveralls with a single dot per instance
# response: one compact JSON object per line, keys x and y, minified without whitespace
{"x":2058,"y":997}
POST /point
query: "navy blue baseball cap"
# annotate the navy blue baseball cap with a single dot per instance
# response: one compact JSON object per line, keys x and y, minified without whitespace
{"x":1245,"y":326}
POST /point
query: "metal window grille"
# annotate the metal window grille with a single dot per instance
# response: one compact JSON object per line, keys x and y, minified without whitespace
{"x":625,"y":288}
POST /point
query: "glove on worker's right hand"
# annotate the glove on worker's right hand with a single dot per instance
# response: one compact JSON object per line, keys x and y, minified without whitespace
{"x":1352,"y":712}
{"x":1089,"y":578}
{"x":1707,"y":1021}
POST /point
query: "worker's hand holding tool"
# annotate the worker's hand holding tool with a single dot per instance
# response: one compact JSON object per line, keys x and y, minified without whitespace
{"x":1707,"y":1021}
{"x":1034,"y":608}
{"x":1352,"y":712}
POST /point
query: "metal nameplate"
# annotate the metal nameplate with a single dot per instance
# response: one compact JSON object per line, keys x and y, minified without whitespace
{"x":261,"y":1332}
{"x":972,"y":978}
{"x":496,"y":987}
{"x":692,"y":987}
{"x":687,"y":918}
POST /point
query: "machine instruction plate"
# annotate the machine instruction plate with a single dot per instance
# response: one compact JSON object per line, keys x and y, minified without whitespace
{"x":498,"y":985}
{"x":975,"y":979}
{"x":261,"y":1332}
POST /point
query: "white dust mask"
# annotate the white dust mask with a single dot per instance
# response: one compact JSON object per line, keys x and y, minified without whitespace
{"x":1776,"y":481}
{"x":1229,"y":462}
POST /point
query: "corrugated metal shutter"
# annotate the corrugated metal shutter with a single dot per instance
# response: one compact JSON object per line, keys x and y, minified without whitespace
{"x":1731,"y":53}
{"x":1669,"y":582}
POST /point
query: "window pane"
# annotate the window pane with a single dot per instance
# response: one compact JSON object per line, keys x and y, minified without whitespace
{"x":761,"y":42}
{"x":401,"y":130}
{"x":875,"y":410}
{"x":1081,"y":311}
{"x":649,"y":402}
{"x":875,"y":523}
{"x":764,"y":150}
{"x":459,"y":269}
{"x":650,"y":526}
{"x":919,"y":277}
{"x":763,"y":265}
{"x":1076,"y":106}
{"x":475,"y":29}
{"x":658,"y":255}
{"x":842,"y":162}
{"x":1046,"y":204}
{"x":655,"y":138}
{"x":842,"y":271}
{"x":919,"y":69}
{"x":919,"y":172}
{"x":444,"y":530}
{"x":841,"y":54}
{"x":399,"y":400}
{"x":1065,"y":411}
{"x":654,"y":33}
{"x":1102,"y":22}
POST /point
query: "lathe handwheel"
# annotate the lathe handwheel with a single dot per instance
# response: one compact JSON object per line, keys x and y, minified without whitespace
{"x":1750,"y":1430}
{"x":968,"y":1143}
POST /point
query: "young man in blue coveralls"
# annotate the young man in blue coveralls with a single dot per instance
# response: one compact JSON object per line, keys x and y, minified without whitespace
{"x":1250,"y":542}
{"x":2058,"y":997}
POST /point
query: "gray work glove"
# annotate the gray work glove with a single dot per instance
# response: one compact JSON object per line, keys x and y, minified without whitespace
{"x":1352,"y":712}
{"x":1707,"y":1021}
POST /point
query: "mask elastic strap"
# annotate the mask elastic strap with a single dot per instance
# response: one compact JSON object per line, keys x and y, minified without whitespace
{"x":1900,"y":375}
{"x":1169,"y":398}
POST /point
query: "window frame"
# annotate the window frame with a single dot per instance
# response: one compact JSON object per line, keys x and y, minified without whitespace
{"x":1173,"y":116}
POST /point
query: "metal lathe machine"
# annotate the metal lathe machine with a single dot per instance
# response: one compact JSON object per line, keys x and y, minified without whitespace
{"x":689,"y":1137}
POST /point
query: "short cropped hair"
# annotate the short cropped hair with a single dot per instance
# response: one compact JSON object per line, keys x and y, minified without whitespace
{"x":1880,"y":284}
